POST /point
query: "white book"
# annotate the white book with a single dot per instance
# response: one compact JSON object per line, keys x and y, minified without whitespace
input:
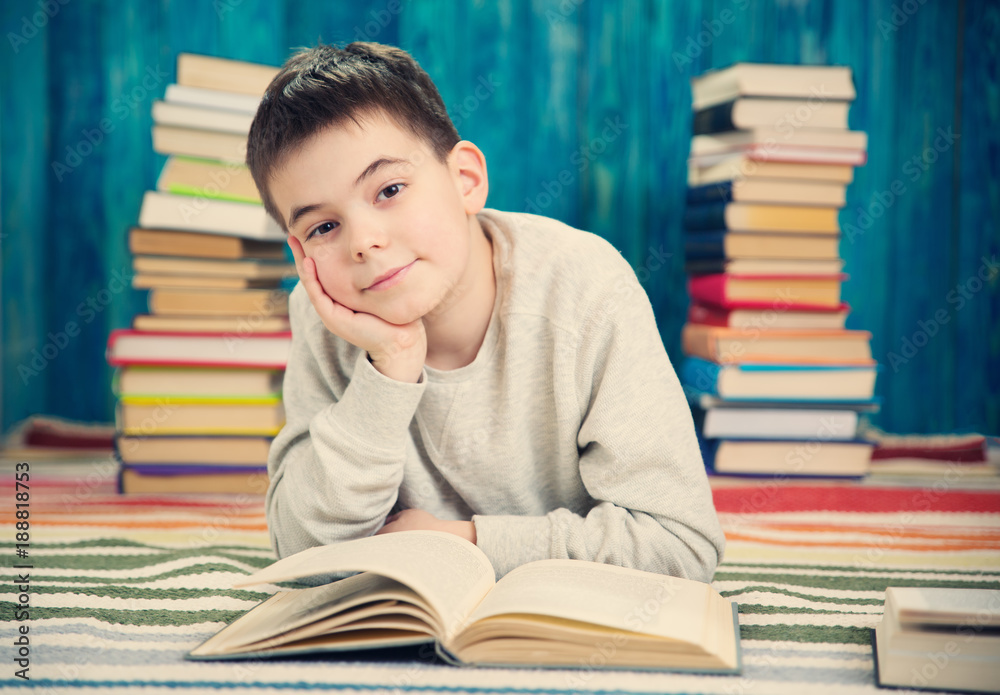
{"x":212,"y":98}
{"x":190,"y":116}
{"x":768,"y":423}
{"x":192,"y":213}
{"x":939,"y":638}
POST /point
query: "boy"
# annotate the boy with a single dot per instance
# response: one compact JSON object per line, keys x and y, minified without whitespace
{"x":494,"y":375}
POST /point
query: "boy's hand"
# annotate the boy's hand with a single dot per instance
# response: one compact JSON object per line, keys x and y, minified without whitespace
{"x":396,"y":351}
{"x":419,"y":520}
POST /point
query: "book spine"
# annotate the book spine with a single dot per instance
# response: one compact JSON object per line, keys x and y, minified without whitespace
{"x":708,"y":289}
{"x":705,"y":246}
{"x":698,"y":375}
{"x":707,"y":216}
{"x":706,"y":316}
{"x":714,"y":119}
{"x":710,"y":193}
{"x":712,"y":266}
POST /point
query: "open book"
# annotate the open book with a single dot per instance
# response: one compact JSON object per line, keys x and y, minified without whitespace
{"x":432,"y":587}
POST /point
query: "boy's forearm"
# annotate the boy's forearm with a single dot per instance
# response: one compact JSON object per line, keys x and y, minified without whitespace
{"x":336,"y":467}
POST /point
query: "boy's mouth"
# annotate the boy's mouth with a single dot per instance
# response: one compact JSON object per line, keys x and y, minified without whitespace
{"x":390,"y":277}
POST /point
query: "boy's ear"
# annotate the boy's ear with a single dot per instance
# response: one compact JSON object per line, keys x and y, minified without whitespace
{"x":468,"y":165}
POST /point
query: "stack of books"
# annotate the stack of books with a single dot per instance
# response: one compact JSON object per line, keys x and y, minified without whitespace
{"x":775,"y":380}
{"x":198,"y":377}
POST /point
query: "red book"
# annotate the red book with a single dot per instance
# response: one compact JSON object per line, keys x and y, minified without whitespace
{"x":769,"y":317}
{"x":767,"y":291}
{"x":129,"y":346}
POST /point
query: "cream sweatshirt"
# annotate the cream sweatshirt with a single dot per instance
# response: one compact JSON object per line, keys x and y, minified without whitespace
{"x":568,"y":436}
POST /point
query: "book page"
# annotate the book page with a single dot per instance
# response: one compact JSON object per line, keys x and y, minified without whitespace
{"x":945,"y":606}
{"x":449,"y":573}
{"x":615,"y":597}
{"x":290,"y":611}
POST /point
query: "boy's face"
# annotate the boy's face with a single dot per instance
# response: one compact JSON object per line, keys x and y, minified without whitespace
{"x":367,"y":201}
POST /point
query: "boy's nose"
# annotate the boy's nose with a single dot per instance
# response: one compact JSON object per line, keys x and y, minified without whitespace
{"x":364,"y":238}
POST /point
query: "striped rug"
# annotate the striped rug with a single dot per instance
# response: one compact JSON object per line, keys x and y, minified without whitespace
{"x":122,"y":587}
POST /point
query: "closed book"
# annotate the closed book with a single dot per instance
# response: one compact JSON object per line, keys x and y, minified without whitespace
{"x":764,"y":266}
{"x":938,"y":638}
{"x":726,"y":345}
{"x":229,"y":382}
{"x":775,"y":423}
{"x":767,"y":291}
{"x":768,"y":319}
{"x":208,"y":178}
{"x":751,"y":112}
{"x":181,"y":450}
{"x":759,"y":217}
{"x":167,"y":415}
{"x":742,"y":166}
{"x":212,"y":98}
{"x":146,"y":281}
{"x":817,"y":82}
{"x":245,"y":303}
{"x":198,"y":142}
{"x":938,"y":447}
{"x":736,"y":141}
{"x":182,"y":212}
{"x":795,"y":458}
{"x":244,"y":482}
{"x":210,"y":72}
{"x":828,"y":383}
{"x":129,"y":346}
{"x":729,"y":245}
{"x":774,"y":151}
{"x":172,"y":242}
{"x":250,"y":269}
{"x":231,"y":325}
{"x":769,"y":191}
{"x":706,"y":401}
{"x":191,"y":116}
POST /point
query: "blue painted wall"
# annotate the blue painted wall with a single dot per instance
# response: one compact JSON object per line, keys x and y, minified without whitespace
{"x":582,"y":108}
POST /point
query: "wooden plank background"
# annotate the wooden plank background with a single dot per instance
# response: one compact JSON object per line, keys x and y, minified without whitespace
{"x":583,"y":111}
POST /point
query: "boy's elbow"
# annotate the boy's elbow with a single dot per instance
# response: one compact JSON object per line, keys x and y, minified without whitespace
{"x":692,"y":553}
{"x":703,"y":559}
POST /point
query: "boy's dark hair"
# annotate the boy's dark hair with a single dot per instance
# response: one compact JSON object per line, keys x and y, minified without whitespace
{"x":326,"y":86}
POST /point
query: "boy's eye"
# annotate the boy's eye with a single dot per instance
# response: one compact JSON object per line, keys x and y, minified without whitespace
{"x":390,"y":191}
{"x":321,"y":229}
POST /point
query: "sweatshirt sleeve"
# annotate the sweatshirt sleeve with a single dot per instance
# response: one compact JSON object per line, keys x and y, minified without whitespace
{"x":336,"y":466}
{"x":638,"y":456}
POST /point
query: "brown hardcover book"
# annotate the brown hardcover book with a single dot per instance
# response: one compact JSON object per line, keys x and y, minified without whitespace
{"x":169,"y":242}
{"x":147,"y":281}
{"x":191,"y":267}
{"x":241,"y":482}
{"x":238,"y":325}
{"x":178,"y":302}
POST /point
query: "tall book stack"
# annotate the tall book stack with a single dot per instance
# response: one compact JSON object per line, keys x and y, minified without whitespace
{"x":198,"y":377}
{"x":775,"y":381}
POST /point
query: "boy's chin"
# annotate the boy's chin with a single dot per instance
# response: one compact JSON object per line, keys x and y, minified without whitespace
{"x":399,"y":316}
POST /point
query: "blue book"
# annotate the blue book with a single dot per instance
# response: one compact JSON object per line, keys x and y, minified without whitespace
{"x":710,"y":193}
{"x":780,"y":382}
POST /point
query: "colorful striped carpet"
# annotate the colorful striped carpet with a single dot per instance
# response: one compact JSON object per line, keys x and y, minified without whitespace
{"x":121,"y":588}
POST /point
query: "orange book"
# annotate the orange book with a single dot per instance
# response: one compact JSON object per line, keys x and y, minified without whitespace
{"x":724,"y":345}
